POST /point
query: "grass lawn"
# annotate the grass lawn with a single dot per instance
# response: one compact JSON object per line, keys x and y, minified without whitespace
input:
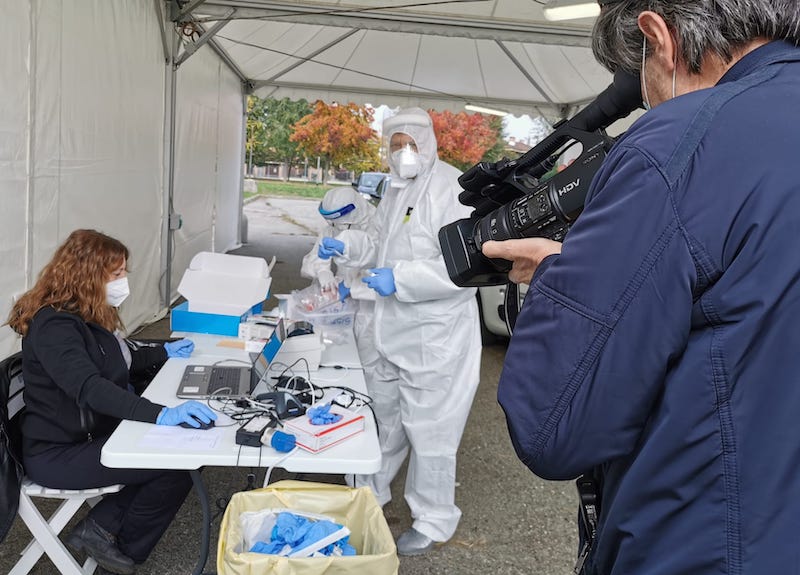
{"x":296,"y":189}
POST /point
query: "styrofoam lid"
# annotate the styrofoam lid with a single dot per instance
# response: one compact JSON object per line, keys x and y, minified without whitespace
{"x":230,"y":264}
{"x":224,"y":284}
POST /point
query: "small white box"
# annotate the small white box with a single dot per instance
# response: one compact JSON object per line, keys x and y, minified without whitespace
{"x":225,"y":284}
{"x":316,"y":438}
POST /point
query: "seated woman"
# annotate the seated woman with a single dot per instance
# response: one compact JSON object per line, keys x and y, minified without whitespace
{"x":77,"y":367}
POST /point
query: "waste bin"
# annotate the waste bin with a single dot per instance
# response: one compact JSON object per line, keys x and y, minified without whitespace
{"x":355,"y":508}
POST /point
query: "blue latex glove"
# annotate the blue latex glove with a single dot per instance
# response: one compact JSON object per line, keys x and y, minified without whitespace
{"x":344,"y":291}
{"x":322,"y":415}
{"x":183,"y":414}
{"x":381,"y":280}
{"x":330,"y":247}
{"x":180,"y":348}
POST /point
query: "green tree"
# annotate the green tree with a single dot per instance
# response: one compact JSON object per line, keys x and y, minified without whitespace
{"x":254,"y":141}
{"x":270,"y":122}
{"x":341,"y":134}
{"x":281,"y":116}
{"x":496,"y":152}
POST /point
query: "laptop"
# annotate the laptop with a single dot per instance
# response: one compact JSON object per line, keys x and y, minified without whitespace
{"x":204,"y":381}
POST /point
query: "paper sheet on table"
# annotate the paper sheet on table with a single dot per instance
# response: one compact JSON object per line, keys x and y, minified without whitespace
{"x":174,"y":437}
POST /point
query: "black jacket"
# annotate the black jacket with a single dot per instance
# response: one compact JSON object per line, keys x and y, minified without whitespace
{"x":77,"y":381}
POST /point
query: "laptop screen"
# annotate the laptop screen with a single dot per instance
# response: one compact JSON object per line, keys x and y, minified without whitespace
{"x":269,"y":352}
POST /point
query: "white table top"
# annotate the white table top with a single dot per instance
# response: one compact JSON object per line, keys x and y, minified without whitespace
{"x":146,"y":446}
{"x":339,"y":347}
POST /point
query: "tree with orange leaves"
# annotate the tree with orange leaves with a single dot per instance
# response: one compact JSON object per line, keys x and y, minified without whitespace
{"x":463,"y":138}
{"x":341,"y":134}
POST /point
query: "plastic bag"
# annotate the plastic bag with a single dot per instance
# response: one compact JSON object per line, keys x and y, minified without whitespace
{"x":356,"y":508}
{"x":314,"y":298}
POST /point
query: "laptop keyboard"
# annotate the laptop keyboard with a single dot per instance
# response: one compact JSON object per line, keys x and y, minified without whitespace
{"x":224,"y":377}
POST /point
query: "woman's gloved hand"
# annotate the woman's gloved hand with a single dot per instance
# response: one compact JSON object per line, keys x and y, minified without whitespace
{"x":344,"y":291}
{"x":330,"y":247}
{"x":180,"y":348}
{"x":186,"y":412}
{"x":381,"y":280}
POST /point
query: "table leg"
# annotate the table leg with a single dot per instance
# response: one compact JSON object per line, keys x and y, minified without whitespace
{"x":202,"y":494}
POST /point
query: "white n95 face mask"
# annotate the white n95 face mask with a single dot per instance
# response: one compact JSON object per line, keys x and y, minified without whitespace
{"x":117,"y":291}
{"x":407,"y":162}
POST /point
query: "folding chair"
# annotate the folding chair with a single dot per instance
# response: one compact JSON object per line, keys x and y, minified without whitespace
{"x":45,"y":531}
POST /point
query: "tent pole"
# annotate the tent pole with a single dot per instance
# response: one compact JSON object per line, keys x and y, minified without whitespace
{"x":30,"y":161}
{"x":170,"y":98}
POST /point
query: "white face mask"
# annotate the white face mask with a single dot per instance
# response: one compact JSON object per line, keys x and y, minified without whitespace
{"x":646,"y":102}
{"x":117,"y":291}
{"x":407,"y":162}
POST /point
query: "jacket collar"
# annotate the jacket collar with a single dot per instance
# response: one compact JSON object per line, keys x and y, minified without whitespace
{"x":775,"y":51}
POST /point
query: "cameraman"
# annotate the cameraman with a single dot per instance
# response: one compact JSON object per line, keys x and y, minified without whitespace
{"x":659,"y":346}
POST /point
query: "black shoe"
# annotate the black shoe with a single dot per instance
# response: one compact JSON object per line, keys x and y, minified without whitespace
{"x":101,"y":546}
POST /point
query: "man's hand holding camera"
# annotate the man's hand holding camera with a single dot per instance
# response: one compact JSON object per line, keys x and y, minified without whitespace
{"x":526,"y":254}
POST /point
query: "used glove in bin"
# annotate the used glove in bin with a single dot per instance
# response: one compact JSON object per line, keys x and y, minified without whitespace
{"x":355,"y":508}
{"x":298,"y":536}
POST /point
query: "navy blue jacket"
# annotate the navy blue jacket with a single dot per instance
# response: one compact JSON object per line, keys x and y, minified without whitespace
{"x":661,"y":348}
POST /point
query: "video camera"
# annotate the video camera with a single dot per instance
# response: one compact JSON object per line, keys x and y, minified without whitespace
{"x":527,"y":197}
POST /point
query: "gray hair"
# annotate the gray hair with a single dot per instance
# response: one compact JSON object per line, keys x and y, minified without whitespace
{"x":703,"y":27}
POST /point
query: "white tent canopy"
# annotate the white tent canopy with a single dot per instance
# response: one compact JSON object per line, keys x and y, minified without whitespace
{"x":436,"y":54}
{"x":129,"y":117}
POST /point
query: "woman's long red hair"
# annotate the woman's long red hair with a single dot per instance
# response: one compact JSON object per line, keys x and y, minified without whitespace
{"x":74,"y":281}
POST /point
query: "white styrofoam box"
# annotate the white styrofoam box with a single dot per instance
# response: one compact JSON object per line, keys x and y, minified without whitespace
{"x":308,"y":346}
{"x":225,"y":284}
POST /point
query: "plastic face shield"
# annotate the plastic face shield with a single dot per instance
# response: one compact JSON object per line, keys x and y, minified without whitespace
{"x":337,"y":213}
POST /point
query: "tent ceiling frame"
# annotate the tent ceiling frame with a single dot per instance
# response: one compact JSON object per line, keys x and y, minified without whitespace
{"x":489,"y":102}
{"x":223,"y":11}
{"x":523,"y":71}
{"x":303,"y":59}
{"x":399,"y":21}
{"x":180,"y":15}
{"x":207,"y":35}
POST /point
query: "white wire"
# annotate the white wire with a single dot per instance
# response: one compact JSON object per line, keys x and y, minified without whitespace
{"x":274,"y":465}
{"x":332,"y":381}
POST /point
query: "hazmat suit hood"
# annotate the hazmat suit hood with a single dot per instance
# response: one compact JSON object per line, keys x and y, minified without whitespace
{"x":337,"y":200}
{"x":418,"y":124}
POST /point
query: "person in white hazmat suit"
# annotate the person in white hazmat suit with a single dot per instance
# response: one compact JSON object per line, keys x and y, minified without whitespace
{"x":427,"y":333}
{"x":345,"y":209}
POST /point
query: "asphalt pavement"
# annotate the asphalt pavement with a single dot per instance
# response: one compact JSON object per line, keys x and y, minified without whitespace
{"x":513,"y":523}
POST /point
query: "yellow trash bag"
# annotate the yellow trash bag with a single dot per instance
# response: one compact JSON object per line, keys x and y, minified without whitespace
{"x":356,"y":509}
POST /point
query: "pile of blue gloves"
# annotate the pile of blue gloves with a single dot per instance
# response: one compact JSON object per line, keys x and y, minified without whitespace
{"x":321,"y":415}
{"x":294,"y":532}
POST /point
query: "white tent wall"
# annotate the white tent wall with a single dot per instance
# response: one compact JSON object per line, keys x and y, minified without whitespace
{"x":82,"y":143}
{"x":230,"y":172}
{"x":97,"y":151}
{"x":14,"y":87}
{"x":207,"y":171}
